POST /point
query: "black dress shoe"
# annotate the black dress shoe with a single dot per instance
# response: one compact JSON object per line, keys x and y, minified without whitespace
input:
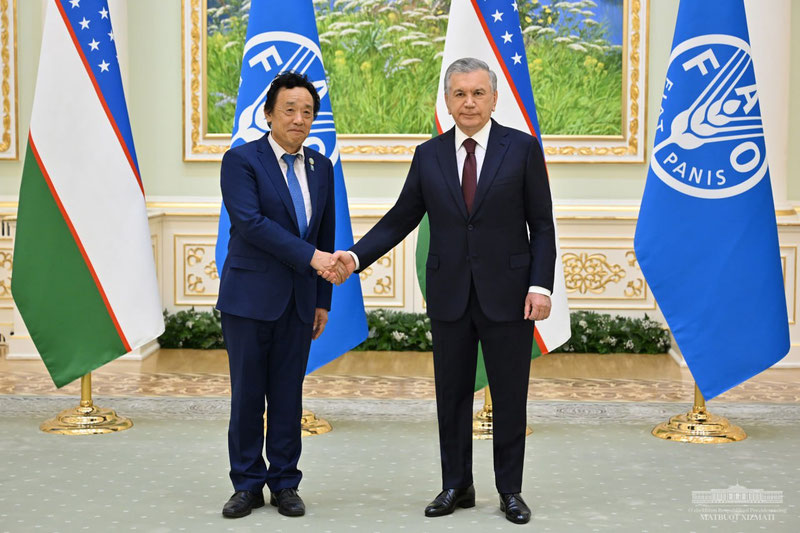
{"x":241,"y":503}
{"x":516,"y":509}
{"x":447,"y":501}
{"x":288,"y":502}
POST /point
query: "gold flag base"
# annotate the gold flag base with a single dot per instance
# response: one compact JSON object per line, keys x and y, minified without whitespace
{"x":699,"y":426}
{"x":482,"y":426}
{"x":311,"y":425}
{"x":87,"y":418}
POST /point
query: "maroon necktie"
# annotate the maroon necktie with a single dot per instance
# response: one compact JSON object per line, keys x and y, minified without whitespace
{"x":469,"y":177}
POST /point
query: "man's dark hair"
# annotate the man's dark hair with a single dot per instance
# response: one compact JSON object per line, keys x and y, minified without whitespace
{"x":290,"y":80}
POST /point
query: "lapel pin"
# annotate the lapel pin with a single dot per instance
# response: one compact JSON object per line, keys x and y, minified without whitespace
{"x":311,"y":162}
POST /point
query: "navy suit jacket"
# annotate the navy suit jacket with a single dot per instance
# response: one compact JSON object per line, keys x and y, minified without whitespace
{"x":267,"y":260}
{"x":491,"y":247}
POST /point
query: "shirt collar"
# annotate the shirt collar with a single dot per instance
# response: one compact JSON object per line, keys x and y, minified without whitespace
{"x":481,"y":137}
{"x":279,"y":151}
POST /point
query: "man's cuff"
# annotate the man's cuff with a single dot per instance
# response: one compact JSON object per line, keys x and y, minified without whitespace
{"x":355,"y":258}
{"x":534,"y":288}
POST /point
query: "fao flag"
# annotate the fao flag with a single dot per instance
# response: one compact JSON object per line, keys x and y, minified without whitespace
{"x":282,"y":36}
{"x":707,"y":239}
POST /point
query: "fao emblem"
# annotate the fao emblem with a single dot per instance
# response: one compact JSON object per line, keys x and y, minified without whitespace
{"x":265,"y":56}
{"x":710,"y":137}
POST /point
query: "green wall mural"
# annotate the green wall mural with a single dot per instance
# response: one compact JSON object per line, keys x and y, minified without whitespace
{"x":383,"y":59}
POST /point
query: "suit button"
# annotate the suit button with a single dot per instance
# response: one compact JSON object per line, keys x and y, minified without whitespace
{"x":470,"y":227}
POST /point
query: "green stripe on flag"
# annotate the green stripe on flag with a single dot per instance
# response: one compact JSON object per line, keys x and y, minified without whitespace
{"x":54,"y":289}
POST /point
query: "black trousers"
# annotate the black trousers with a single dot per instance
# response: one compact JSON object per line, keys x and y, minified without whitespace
{"x":267,"y":364}
{"x":507,"y":355}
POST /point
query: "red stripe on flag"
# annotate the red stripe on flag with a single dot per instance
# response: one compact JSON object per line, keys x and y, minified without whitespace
{"x":438,"y":124}
{"x":503,"y":66}
{"x":100,"y":95}
{"x":540,"y":341}
{"x":78,"y":242}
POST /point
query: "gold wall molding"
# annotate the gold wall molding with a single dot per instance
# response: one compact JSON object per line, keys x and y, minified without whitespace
{"x":9,"y":141}
{"x":184,"y":247}
{"x":600,"y":267}
{"x":382,"y":282}
{"x":589,"y":272}
{"x":629,"y":147}
{"x":6,"y":264}
{"x":195,"y":278}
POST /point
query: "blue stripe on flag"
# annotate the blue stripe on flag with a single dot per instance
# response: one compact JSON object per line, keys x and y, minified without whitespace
{"x":90,"y":22}
{"x":502,"y":20}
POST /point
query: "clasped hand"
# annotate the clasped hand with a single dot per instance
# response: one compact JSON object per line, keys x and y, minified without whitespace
{"x":335,"y":267}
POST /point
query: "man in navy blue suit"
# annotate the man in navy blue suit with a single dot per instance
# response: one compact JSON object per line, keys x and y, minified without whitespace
{"x":280,"y":199}
{"x":489,"y":275}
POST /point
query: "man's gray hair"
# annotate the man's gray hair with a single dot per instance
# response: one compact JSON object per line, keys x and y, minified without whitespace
{"x":465,"y":65}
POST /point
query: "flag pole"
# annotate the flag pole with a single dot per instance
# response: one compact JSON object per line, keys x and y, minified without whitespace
{"x":86,"y":419}
{"x":699,"y":426}
{"x":482,"y":425}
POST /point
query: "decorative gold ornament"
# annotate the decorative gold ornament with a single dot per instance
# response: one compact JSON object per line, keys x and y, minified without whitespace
{"x":586,"y":272}
{"x":371,"y":149}
{"x":195,"y":284}
{"x":5,"y":86}
{"x":635,"y":288}
{"x":86,"y":419}
{"x":6,"y":264}
{"x":211,"y":270}
{"x":699,"y":426}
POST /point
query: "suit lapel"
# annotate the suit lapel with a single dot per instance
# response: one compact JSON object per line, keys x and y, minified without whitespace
{"x":267,"y":157}
{"x":495,"y":151}
{"x":446,"y":154}
{"x":313,"y":186}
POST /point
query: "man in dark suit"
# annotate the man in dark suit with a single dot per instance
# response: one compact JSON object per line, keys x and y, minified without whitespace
{"x":489,"y":275}
{"x":280,"y":199}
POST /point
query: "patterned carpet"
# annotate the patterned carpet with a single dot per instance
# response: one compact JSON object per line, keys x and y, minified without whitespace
{"x":177,"y":384}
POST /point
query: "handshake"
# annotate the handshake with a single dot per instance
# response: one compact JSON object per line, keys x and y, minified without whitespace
{"x":335,"y":267}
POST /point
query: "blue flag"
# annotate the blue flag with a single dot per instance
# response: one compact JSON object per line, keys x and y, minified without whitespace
{"x":707,"y":239}
{"x":282,"y":36}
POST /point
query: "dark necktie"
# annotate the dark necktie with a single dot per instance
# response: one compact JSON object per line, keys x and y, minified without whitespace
{"x":469,"y":177}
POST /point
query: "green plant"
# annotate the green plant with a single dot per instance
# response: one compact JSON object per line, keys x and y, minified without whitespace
{"x":192,"y":329}
{"x":397,"y":331}
{"x":601,"y":333}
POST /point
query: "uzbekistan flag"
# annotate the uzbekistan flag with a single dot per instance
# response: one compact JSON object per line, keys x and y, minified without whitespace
{"x":489,"y":30}
{"x":84,"y":276}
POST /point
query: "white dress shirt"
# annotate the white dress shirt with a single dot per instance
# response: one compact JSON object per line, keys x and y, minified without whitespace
{"x":299,"y":171}
{"x":482,"y":140}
